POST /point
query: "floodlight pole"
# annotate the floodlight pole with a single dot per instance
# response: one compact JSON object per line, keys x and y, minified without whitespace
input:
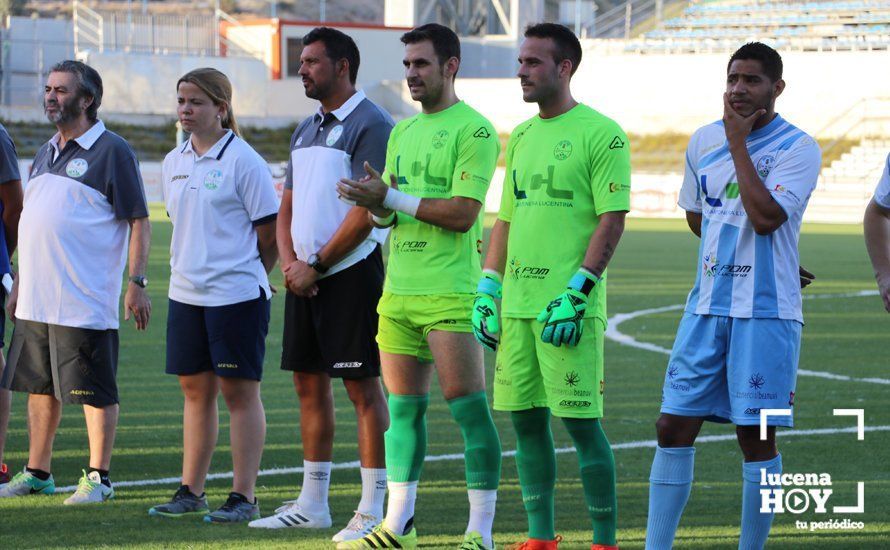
{"x":628,"y":14}
{"x":577,"y":17}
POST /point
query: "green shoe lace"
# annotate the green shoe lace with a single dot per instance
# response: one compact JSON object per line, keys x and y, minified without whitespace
{"x":86,"y":485}
{"x":474,"y":541}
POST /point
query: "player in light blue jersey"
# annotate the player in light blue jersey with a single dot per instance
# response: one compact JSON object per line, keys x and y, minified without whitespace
{"x":877,"y":234}
{"x":748,"y":180}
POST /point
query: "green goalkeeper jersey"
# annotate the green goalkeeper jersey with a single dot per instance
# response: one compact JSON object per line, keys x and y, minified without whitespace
{"x":448,"y":154}
{"x":562,"y":174}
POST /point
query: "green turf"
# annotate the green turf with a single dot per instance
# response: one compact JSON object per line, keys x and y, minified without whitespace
{"x":654,"y":266}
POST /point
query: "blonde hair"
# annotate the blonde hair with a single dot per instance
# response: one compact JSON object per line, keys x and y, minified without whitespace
{"x":218,"y":88}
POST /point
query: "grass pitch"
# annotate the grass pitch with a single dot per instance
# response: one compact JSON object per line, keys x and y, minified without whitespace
{"x":655,"y":266}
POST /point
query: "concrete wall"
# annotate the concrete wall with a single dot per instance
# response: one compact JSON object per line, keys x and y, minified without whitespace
{"x":678,"y":93}
{"x":146,"y":84}
{"x":645,"y":93}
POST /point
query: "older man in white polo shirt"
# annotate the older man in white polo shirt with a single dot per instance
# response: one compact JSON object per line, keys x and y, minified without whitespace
{"x":83,"y":197}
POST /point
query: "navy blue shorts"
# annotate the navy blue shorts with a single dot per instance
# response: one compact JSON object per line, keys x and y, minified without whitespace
{"x":2,"y":317}
{"x":228,"y":340}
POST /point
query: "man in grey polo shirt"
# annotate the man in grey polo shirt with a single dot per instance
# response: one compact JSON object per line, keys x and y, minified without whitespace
{"x":83,"y":197}
{"x":11,"y":209}
{"x":333,"y":269}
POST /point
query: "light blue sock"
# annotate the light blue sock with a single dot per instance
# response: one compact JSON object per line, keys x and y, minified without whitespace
{"x":669,"y":485}
{"x":755,"y":525}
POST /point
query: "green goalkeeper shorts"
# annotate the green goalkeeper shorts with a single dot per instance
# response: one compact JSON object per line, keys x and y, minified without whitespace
{"x":530,"y":373}
{"x":406,"y":321}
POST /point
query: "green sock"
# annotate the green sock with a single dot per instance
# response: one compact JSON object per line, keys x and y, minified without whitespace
{"x":482,"y":446}
{"x":597,"y":476}
{"x":406,"y":437}
{"x":536,"y":462}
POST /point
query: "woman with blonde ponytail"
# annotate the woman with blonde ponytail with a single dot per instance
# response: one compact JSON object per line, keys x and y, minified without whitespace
{"x":220,"y":197}
{"x":216,"y":86}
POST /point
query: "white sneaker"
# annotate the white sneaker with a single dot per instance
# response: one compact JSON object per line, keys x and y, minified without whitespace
{"x":90,"y":489}
{"x":293,"y":515}
{"x":359,"y":526}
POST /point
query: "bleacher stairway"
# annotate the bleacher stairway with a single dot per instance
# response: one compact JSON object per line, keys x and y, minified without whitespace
{"x":847,"y":185}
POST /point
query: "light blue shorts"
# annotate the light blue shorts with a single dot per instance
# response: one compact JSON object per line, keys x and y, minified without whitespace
{"x":727,"y":369}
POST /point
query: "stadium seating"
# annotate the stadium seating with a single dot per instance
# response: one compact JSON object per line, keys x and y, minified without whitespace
{"x":847,"y":185}
{"x":720,"y":25}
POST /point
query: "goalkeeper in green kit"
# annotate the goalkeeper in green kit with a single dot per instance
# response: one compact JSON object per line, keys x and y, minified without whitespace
{"x":566,"y":192}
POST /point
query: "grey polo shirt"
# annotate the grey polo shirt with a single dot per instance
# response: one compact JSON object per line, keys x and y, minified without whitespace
{"x":74,"y":227}
{"x":325,"y":148}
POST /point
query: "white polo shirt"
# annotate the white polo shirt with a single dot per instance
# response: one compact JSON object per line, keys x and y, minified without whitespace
{"x":73,"y":230}
{"x":215,"y":202}
{"x":325,"y":148}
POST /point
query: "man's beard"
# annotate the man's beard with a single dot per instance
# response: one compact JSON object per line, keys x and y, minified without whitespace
{"x":319,"y":91}
{"x":66,"y":112}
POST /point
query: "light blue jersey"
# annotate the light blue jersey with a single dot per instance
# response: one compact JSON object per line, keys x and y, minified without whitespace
{"x":740,"y":273}
{"x":882,"y":193}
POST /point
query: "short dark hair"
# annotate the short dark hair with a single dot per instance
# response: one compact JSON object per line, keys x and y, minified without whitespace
{"x":567,"y":44}
{"x":769,"y":59}
{"x":445,"y":42}
{"x":89,"y":83}
{"x":337,"y":45}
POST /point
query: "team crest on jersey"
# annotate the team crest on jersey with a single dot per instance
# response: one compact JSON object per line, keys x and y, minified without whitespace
{"x":333,"y":135}
{"x":563,"y":150}
{"x":213,"y":180}
{"x":76,"y":168}
{"x":440,"y":138}
{"x":709,"y":264}
{"x":765,"y":164}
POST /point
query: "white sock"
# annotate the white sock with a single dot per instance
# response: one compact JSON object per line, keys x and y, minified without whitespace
{"x":482,"y":504}
{"x":316,"y":480}
{"x":373,"y":491}
{"x":400,"y":509}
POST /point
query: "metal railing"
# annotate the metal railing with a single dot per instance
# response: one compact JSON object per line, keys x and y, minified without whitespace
{"x":188,"y":34}
{"x":622,"y":20}
{"x":89,"y":28}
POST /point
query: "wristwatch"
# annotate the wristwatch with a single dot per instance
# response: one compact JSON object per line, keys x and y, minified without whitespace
{"x":139,"y":280}
{"x":315,"y":263}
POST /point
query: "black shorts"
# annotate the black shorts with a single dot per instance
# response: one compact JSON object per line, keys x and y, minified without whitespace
{"x":333,"y":332}
{"x":229,"y":340}
{"x":76,"y":365}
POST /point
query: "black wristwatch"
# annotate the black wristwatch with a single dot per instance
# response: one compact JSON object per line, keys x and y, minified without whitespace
{"x":139,"y":280}
{"x":315,"y":263}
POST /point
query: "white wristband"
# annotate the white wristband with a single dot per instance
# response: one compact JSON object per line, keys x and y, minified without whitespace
{"x":384,"y":222}
{"x":401,"y":202}
{"x":494,"y":274}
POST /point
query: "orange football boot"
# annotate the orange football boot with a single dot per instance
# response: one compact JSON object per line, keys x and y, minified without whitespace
{"x":537,"y":544}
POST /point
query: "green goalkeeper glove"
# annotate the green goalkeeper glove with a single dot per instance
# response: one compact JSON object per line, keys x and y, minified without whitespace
{"x":563,"y":318}
{"x":485,"y":311}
